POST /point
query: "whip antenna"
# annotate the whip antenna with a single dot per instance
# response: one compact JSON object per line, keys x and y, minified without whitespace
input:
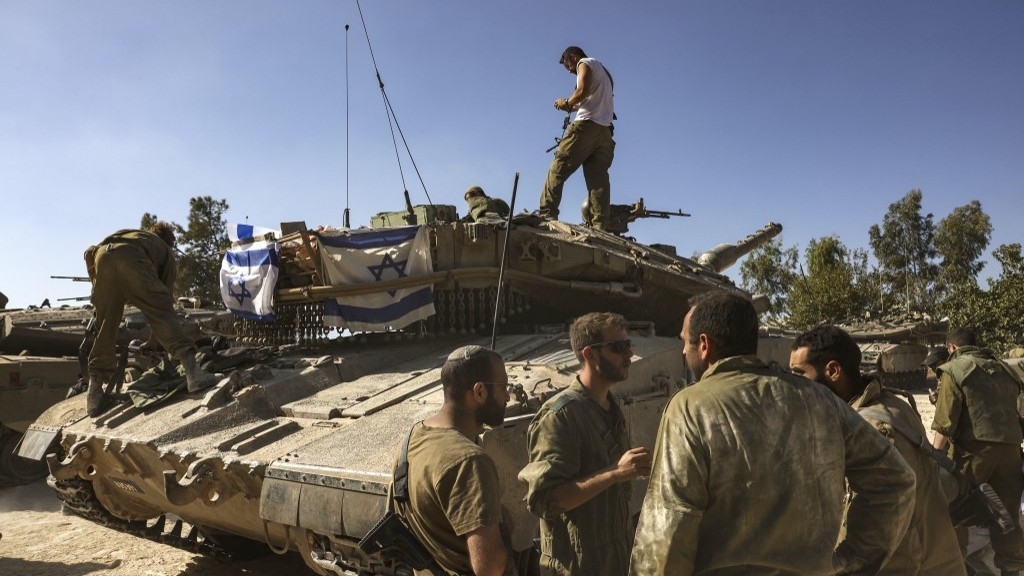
{"x":504,"y":256}
{"x":392,"y":119}
{"x":346,"y":221}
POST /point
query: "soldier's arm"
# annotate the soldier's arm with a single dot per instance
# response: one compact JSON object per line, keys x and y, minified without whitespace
{"x":669,"y":528}
{"x":635,"y":463}
{"x":947,"y":411}
{"x":884,"y":483}
{"x":584,"y":78}
{"x":487,"y":552}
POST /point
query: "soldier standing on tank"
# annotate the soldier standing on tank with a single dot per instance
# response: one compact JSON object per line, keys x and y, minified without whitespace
{"x":828,"y":356}
{"x":750,"y":463}
{"x":581,"y":463}
{"x":587,"y":140}
{"x":976,"y":412}
{"x":454,"y":505}
{"x":136,"y":267}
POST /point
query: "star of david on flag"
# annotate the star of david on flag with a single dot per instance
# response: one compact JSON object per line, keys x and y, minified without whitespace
{"x":362,"y":256}
{"x":248,"y":276}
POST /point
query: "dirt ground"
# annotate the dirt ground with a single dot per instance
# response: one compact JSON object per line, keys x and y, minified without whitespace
{"x":38,"y":540}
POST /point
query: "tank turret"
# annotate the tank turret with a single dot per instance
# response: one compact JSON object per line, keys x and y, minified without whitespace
{"x":722,"y":256}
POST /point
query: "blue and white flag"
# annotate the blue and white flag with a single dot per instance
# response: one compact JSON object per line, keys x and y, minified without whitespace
{"x":358,"y":257}
{"x":239,"y":232}
{"x":248,"y":275}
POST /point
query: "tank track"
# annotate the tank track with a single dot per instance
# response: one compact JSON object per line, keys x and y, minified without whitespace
{"x":77,"y":496}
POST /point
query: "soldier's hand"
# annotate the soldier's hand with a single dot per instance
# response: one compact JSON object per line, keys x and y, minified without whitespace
{"x":635,"y":463}
{"x":933,"y":395}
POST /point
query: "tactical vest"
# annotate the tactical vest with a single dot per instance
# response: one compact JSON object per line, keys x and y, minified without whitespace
{"x":990,"y":395}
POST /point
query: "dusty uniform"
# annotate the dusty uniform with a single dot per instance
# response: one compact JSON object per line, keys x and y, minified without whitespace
{"x":748,"y":478}
{"x":453,"y":490}
{"x":134,"y":267}
{"x":572,"y":437}
{"x":483,"y":209}
{"x":929,"y":546}
{"x":977,"y":411}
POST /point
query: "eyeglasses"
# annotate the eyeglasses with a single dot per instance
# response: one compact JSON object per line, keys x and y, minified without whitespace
{"x":616,"y":346}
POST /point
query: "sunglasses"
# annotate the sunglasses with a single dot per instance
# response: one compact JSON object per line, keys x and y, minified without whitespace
{"x":616,"y":346}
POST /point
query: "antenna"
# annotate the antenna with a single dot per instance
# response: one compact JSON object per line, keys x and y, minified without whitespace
{"x":346,"y":220}
{"x":504,"y":256}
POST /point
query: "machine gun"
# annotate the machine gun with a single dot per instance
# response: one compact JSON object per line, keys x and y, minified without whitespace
{"x":73,"y":279}
{"x":620,"y":215}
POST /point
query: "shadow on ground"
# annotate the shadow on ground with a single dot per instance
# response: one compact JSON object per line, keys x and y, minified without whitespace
{"x":21,"y":567}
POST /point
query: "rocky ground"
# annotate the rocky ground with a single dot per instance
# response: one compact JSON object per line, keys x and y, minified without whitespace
{"x":38,"y":540}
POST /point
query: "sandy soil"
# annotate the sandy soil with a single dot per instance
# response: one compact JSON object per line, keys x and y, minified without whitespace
{"x":38,"y":540}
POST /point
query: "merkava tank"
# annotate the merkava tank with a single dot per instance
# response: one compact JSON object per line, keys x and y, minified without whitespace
{"x":295,"y":453}
{"x":895,"y":348}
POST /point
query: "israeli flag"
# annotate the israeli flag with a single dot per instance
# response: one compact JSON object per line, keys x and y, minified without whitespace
{"x":248,"y":275}
{"x":358,"y":257}
{"x":241,"y":232}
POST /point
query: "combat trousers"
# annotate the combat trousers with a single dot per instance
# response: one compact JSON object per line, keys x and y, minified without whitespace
{"x":1000,"y":466}
{"x":586,"y":144}
{"x":125,"y":274}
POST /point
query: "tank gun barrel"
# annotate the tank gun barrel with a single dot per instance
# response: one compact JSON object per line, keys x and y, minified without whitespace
{"x":725,"y":255}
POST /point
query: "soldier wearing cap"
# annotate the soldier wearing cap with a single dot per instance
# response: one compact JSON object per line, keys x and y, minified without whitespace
{"x":976,"y":412}
{"x":581,"y":463}
{"x":935,"y":358}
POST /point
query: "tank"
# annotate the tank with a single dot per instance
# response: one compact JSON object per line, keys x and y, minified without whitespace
{"x":295,"y":452}
{"x":895,"y":348}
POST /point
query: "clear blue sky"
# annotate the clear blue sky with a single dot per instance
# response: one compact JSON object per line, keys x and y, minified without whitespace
{"x":816,"y":114}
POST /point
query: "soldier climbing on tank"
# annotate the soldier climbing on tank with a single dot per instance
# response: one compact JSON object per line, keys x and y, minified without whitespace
{"x":136,"y":267}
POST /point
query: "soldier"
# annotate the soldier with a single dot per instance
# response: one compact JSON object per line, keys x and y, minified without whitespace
{"x":581,"y":464}
{"x":136,"y":267}
{"x":749,"y":467}
{"x":935,"y":358}
{"x":454,"y":505}
{"x":830,"y":357}
{"x":483,"y":208}
{"x":977,"y":412}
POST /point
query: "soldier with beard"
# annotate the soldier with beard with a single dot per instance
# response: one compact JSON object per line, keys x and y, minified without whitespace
{"x":581,"y":463}
{"x":454,"y":505}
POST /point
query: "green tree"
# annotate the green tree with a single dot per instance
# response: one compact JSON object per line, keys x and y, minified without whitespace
{"x":961,"y":239}
{"x":148,"y":221}
{"x":997,"y":312}
{"x":770,"y":270}
{"x":829,"y":291}
{"x":201,"y":247}
{"x":904,"y":248}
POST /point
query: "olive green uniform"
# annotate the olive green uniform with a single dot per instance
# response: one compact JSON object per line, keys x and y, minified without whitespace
{"x":570,"y":438}
{"x":929,"y":546}
{"x":134,"y":267}
{"x":748,"y":478}
{"x":484,"y":209}
{"x":453,"y":490}
{"x":977,"y":411}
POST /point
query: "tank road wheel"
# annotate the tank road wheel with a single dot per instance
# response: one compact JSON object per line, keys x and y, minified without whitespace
{"x":14,"y":469}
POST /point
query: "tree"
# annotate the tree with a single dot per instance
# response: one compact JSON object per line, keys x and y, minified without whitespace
{"x":770,"y":270}
{"x":905,"y":250}
{"x":995,"y":313}
{"x":201,"y":247}
{"x":829,"y":291}
{"x":960,"y":240}
{"x":148,"y":221}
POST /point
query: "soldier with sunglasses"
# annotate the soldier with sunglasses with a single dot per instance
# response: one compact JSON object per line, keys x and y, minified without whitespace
{"x":581,"y":463}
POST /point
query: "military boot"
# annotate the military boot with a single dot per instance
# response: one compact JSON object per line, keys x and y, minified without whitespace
{"x":95,"y":399}
{"x":198,"y":379}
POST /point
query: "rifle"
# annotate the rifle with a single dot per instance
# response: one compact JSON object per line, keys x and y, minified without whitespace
{"x":558,"y":139}
{"x":72,"y":278}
